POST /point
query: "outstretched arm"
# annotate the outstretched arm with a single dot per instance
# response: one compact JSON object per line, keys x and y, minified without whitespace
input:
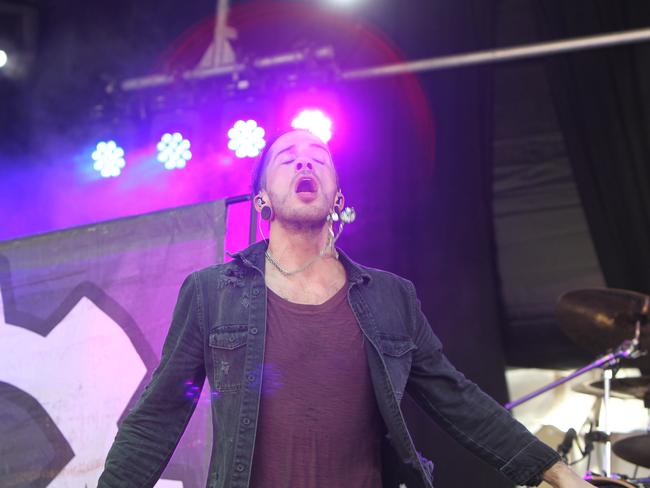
{"x":468,"y":414}
{"x":561,"y":476}
{"x":149,"y":434}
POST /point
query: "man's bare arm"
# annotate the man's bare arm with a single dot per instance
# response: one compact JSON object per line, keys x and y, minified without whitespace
{"x":561,"y":476}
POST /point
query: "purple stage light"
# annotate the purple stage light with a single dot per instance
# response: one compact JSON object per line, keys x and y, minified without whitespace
{"x":246,"y":139}
{"x":174,"y":150}
{"x":109,"y":159}
{"x":316,"y":122}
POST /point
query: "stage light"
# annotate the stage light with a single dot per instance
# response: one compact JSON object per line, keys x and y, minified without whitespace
{"x":345,"y":3}
{"x":109,"y":159}
{"x":316,"y":122}
{"x":3,"y":58}
{"x":174,"y":150}
{"x":246,"y":139}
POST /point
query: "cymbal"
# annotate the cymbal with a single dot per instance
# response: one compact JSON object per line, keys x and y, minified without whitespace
{"x":595,"y":388}
{"x":634,"y":449}
{"x":599,"y":319}
{"x":632,"y":387}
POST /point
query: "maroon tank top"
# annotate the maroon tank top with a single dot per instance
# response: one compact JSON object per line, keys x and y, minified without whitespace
{"x":318,"y":426}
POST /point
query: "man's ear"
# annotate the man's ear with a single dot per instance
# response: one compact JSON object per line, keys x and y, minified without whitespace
{"x":261,"y":199}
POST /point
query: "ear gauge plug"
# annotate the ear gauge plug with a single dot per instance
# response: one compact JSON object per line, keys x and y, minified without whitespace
{"x":267,"y":212}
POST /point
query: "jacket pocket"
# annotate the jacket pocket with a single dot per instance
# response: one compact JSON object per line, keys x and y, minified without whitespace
{"x":228,"y":350}
{"x":397,"y":351}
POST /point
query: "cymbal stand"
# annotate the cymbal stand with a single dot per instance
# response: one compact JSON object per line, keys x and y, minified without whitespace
{"x":607,"y":452}
{"x":627,"y":350}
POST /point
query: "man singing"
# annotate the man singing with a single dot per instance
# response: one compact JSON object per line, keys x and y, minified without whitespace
{"x":308,"y":356}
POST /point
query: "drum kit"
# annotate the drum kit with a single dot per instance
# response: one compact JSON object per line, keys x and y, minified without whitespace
{"x":615,"y":324}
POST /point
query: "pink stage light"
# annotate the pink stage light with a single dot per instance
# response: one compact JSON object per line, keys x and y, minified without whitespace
{"x":316,"y":122}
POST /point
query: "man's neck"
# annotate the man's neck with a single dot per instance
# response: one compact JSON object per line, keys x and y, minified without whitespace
{"x":293,"y":248}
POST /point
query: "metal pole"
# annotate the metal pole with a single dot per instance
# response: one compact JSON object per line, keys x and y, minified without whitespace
{"x":220,"y":32}
{"x":628,"y":349}
{"x":598,"y":363}
{"x":607,"y":453}
{"x":501,"y":55}
{"x":430,"y":64}
{"x":252,"y":229}
{"x":238,"y":199}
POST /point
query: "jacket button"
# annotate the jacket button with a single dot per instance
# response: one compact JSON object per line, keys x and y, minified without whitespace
{"x":240,"y":467}
{"x":254,"y":330}
{"x":246,"y":421}
{"x":256,"y":291}
{"x":251,"y":377}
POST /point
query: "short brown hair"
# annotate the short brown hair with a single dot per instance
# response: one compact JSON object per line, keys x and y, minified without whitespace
{"x":257,"y":181}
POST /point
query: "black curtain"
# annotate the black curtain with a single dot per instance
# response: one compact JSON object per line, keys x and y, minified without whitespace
{"x":425,"y":206}
{"x":602,"y":99}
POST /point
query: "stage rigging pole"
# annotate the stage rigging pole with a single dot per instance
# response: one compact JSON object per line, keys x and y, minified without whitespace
{"x":502,"y":54}
{"x":429,"y":64}
{"x":220,"y":26}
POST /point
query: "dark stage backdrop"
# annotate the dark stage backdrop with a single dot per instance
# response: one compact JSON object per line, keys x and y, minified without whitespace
{"x":602,"y":98}
{"x":544,"y":246}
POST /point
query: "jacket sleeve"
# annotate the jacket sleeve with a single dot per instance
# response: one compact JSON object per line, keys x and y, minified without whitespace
{"x":468,"y":414}
{"x":149,"y":434}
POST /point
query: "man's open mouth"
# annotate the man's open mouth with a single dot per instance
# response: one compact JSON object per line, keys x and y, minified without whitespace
{"x":306,"y":185}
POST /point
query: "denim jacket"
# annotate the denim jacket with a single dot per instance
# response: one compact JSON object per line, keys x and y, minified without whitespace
{"x":218,"y":329}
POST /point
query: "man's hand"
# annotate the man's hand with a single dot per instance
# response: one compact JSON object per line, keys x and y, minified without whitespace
{"x":561,"y":476}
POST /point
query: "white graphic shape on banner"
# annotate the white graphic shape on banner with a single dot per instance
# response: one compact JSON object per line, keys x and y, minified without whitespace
{"x":83,"y":374}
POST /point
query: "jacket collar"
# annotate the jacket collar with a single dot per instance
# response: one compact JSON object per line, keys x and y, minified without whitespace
{"x":253,"y":256}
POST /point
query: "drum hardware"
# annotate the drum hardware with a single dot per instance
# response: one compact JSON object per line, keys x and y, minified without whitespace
{"x":594,"y":437}
{"x":627,"y":350}
{"x":565,"y":446}
{"x":599,"y":319}
{"x":590,"y":439}
{"x":632,"y":448}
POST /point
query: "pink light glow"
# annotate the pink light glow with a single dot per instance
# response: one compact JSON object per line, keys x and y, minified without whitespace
{"x":316,"y":122}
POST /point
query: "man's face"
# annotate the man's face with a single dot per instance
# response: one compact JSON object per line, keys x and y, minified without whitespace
{"x":300,"y":179}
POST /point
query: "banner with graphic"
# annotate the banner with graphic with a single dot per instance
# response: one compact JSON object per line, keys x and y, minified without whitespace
{"x":83,"y":316}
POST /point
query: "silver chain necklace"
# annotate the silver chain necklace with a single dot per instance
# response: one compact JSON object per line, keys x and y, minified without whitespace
{"x":270,"y":259}
{"x":277,"y":266}
{"x":348,"y":215}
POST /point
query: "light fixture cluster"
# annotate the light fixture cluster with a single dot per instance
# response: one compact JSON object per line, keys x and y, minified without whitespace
{"x":246,"y":140}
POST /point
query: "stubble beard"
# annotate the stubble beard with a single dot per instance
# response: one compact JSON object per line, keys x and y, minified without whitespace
{"x":308,"y":219}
